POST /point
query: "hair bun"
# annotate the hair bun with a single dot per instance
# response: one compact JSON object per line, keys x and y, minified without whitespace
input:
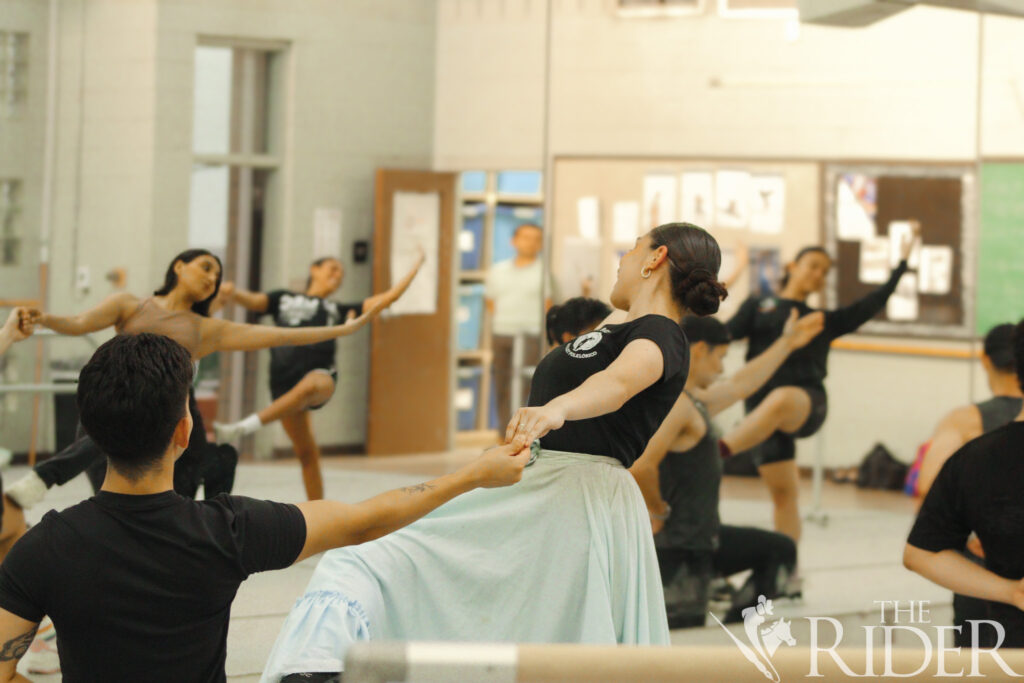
{"x":702,"y":292}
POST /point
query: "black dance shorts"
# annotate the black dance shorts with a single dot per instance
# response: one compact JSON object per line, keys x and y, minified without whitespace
{"x":780,"y":446}
{"x":283,"y":381}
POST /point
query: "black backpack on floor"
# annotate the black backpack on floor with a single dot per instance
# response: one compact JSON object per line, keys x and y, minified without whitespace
{"x":880,"y":470}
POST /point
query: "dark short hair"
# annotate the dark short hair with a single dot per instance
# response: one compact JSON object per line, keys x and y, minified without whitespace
{"x":711,"y":331}
{"x":131,"y":396}
{"x":171,"y":279}
{"x":574,"y":316}
{"x":1018,"y":352}
{"x":526,"y":225}
{"x":316,"y":264}
{"x":813,"y":249}
{"x":693,"y":259}
{"x":999,"y":348}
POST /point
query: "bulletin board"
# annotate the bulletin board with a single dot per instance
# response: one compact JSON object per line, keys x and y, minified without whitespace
{"x":601,"y":204}
{"x":935,"y":299}
{"x":1001,"y":246}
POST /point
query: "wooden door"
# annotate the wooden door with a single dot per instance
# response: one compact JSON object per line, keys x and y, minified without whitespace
{"x":410,"y":353}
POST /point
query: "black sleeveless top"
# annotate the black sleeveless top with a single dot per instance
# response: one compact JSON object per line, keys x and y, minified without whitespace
{"x":689,"y":483}
{"x":998,"y":411}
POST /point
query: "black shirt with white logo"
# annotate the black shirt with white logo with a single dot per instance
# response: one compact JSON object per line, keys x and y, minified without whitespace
{"x":292,"y":309}
{"x":762,"y":319}
{"x":140,"y":587}
{"x":980,"y":489}
{"x":622,"y":435}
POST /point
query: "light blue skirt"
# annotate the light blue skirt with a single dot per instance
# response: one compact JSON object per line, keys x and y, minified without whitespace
{"x":564,"y":556}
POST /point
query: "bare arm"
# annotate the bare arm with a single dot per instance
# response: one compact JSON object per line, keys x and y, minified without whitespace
{"x":952,"y":570}
{"x":109,"y":312}
{"x":331,"y":524}
{"x":224,"y":335}
{"x":753,"y":375}
{"x":256,"y":302}
{"x":742,"y":261}
{"x":638,"y":366}
{"x":645,"y":470}
{"x":16,"y":635}
{"x":955,"y":429}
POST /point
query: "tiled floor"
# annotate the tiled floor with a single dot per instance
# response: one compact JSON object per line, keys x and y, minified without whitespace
{"x":848,"y":563}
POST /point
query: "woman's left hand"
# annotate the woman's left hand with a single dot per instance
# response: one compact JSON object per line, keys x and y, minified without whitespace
{"x":530,"y":424}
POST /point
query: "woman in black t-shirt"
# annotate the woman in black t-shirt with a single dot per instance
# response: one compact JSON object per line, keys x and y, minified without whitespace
{"x":793,"y":403}
{"x":302,"y":378}
{"x":567,"y":554}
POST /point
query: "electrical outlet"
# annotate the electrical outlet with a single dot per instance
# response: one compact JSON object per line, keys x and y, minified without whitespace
{"x":82,"y":279}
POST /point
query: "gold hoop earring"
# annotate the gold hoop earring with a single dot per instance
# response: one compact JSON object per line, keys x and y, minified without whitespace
{"x":645,"y":272}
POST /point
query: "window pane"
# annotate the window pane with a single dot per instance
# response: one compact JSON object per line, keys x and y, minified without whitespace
{"x":208,"y":208}
{"x":13,"y":73}
{"x":10,"y":224}
{"x":211,"y":118}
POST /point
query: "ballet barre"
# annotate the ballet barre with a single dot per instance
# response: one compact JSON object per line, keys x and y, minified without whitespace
{"x":422,"y":662}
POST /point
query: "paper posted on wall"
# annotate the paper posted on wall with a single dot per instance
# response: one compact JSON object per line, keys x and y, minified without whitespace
{"x":580,"y":267}
{"x":326,"y":232}
{"x":900,"y":232}
{"x":874,"y":260}
{"x":415,"y":224}
{"x":767,"y":203}
{"x":697,"y":204}
{"x":625,"y":222}
{"x":732,"y":199}
{"x":659,"y":200}
{"x":588,"y":221}
{"x":936,"y":270}
{"x":903,"y":304}
{"x":855,"y":207}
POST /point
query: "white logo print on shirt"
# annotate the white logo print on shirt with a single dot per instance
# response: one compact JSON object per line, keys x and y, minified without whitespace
{"x":580,"y":347}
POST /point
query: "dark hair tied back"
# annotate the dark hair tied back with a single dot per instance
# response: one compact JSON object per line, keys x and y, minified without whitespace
{"x":694,"y":260}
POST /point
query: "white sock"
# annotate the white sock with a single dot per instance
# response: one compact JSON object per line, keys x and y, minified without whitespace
{"x":250,"y":425}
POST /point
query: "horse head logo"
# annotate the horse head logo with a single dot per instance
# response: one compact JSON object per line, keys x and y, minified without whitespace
{"x":763,"y":639}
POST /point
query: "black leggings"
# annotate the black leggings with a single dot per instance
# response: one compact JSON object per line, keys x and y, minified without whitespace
{"x":686,"y":574}
{"x":201,"y":463}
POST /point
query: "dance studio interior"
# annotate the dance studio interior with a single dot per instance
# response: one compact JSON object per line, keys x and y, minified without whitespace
{"x":573,"y":340}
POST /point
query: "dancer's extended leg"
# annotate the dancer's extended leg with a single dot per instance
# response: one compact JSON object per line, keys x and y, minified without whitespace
{"x":785,"y":409}
{"x":781,"y":479}
{"x":313,"y":390}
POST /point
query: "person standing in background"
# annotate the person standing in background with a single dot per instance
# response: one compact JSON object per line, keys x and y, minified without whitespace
{"x":515,"y":291}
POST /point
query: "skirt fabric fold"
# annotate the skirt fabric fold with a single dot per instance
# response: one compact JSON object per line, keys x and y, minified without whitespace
{"x":564,"y":556}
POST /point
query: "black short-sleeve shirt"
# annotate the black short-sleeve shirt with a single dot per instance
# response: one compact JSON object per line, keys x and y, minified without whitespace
{"x":140,"y":587}
{"x":980,"y":489}
{"x":294,"y":309}
{"x":622,"y":435}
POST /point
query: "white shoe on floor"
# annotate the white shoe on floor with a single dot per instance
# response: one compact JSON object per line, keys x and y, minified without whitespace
{"x":27,"y":491}
{"x":42,"y":657}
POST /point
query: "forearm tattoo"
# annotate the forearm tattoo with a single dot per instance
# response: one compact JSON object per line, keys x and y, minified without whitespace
{"x":418,"y":488}
{"x":17,"y":647}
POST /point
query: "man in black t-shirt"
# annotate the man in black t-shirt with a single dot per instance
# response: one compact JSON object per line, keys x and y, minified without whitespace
{"x":979,"y":490}
{"x":139,"y":580}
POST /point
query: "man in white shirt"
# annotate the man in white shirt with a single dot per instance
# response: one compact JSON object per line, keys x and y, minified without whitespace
{"x":514,"y":297}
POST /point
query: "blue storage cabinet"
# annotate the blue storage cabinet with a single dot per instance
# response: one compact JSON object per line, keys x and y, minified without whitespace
{"x":470,"y":316}
{"x":467,"y":396}
{"x":520,"y":182}
{"x":508,"y":217}
{"x":471,"y":239}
